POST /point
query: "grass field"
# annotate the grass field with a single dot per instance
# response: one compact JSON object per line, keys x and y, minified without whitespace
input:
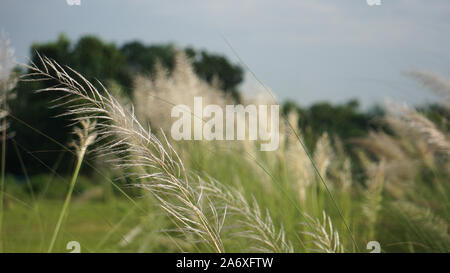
{"x":152,"y":194}
{"x":29,"y":225}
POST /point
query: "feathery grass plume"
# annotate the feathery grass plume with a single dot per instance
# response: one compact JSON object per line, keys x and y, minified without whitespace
{"x":8,"y":79}
{"x":325,"y":238}
{"x":384,"y":146}
{"x":7,"y":83}
{"x":435,"y":82}
{"x":196,"y":215}
{"x":122,"y":135}
{"x":420,"y":126}
{"x":341,"y":167}
{"x":297,"y":161}
{"x":373,"y":195}
{"x":154,"y":97}
{"x":86,"y":135}
{"x":119,"y":93}
{"x":245,"y":218}
{"x":424,"y":226}
{"x":401,"y":163}
{"x":409,"y":165}
{"x":323,"y":154}
{"x":255,"y":225}
{"x":345,"y":175}
{"x":258,"y":98}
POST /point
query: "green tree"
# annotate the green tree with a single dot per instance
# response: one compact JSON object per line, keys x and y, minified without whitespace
{"x":345,"y":121}
{"x":142,"y":59}
{"x":208,"y":66}
{"x":98,"y":60}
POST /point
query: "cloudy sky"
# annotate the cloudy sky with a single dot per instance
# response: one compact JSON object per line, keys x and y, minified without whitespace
{"x":305,"y":50}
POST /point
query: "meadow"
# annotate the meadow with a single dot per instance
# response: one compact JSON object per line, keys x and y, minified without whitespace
{"x":134,"y":189}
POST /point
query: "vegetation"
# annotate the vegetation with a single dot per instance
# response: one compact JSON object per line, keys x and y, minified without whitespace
{"x":340,"y":179}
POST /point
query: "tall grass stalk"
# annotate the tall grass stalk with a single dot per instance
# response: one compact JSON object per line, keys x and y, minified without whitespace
{"x":66,"y":204}
{"x":2,"y":181}
{"x":86,"y":137}
{"x":7,"y":83}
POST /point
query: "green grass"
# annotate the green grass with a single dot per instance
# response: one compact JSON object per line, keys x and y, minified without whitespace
{"x":88,"y":223}
{"x":100,"y":222}
{"x":275,"y":200}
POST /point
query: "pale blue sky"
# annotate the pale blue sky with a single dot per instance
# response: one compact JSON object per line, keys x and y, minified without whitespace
{"x":305,"y":50}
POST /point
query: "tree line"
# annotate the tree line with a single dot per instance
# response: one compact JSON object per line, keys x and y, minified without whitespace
{"x":99,"y":60}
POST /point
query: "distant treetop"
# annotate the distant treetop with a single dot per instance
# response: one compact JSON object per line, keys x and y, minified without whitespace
{"x":97,"y":59}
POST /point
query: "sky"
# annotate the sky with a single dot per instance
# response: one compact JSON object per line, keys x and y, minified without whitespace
{"x":304,"y":50}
